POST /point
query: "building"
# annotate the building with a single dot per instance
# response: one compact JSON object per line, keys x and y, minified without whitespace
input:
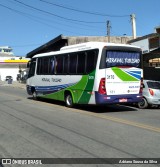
{"x":11,"y":65}
{"x":60,"y":41}
{"x":150,"y":45}
{"x":6,"y":50}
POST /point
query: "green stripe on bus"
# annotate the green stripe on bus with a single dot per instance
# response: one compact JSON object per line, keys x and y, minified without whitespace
{"x":78,"y":88}
{"x":86,"y":94}
{"x":80,"y":91}
{"x":76,"y":91}
{"x":122,"y":75}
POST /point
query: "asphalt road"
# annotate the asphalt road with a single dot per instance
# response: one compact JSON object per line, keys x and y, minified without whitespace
{"x":47,"y":129}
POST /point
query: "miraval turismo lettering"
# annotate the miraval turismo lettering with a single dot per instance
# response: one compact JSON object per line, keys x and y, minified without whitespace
{"x":46,"y":79}
{"x":52,"y":79}
{"x":122,"y":60}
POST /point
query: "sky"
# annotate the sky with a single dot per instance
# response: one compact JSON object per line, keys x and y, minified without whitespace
{"x":28,"y":24}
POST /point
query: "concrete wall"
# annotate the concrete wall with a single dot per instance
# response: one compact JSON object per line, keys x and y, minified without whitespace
{"x":77,"y":40}
{"x":10,"y":66}
{"x":8,"y":72}
{"x":143,"y":44}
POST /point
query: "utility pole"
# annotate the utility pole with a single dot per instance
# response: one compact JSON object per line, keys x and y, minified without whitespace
{"x":108,"y":30}
{"x":133,"y":21}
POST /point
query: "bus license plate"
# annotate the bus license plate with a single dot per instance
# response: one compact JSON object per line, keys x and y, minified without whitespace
{"x":122,"y":100}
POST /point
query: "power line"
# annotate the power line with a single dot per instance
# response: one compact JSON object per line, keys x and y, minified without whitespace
{"x":46,"y":12}
{"x":42,"y":20}
{"x":12,"y":9}
{"x":39,"y":20}
{"x":82,"y":11}
{"x":82,"y":24}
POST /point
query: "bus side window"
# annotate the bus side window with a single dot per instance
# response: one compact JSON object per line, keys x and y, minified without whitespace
{"x":81,"y":63}
{"x":91,"y":60}
{"x":73,"y":63}
{"x":45,"y":65}
{"x":41,"y":66}
{"x":66,"y":64}
{"x":51,"y":65}
{"x":38,"y":66}
{"x":59,"y":65}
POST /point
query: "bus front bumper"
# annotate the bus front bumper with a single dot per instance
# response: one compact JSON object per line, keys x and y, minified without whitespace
{"x":28,"y":88}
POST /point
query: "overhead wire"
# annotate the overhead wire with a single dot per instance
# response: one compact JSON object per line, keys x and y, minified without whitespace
{"x":39,"y":20}
{"x":46,"y":12}
{"x":83,"y":11}
{"x":59,"y":20}
{"x":61,"y":17}
{"x":69,"y":8}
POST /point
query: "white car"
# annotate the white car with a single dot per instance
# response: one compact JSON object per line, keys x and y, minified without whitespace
{"x":151,"y":94}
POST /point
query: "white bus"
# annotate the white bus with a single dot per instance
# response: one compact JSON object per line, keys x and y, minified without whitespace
{"x":88,"y":73}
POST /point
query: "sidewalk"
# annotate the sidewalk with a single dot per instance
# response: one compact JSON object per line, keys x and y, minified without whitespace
{"x":15,"y":84}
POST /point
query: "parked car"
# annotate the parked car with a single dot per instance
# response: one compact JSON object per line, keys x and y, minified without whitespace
{"x":151,"y":94}
{"x":9,"y":78}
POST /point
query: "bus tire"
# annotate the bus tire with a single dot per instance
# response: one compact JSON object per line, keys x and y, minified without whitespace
{"x":143,"y":103}
{"x":34,"y":94}
{"x":69,"y":100}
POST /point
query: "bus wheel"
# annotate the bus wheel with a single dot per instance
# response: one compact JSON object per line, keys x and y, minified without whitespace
{"x":34,"y":95}
{"x":143,"y":103}
{"x":69,"y":100}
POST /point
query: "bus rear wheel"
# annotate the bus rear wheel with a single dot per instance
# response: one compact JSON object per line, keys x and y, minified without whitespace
{"x":69,"y":100}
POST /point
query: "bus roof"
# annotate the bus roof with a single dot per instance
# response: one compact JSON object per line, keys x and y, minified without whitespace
{"x":84,"y":46}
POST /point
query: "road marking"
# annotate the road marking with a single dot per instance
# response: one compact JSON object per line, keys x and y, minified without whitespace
{"x":97,"y":115}
{"x":106,"y":117}
{"x":123,"y":121}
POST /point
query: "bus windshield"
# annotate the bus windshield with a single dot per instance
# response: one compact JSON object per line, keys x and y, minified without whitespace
{"x":122,"y":58}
